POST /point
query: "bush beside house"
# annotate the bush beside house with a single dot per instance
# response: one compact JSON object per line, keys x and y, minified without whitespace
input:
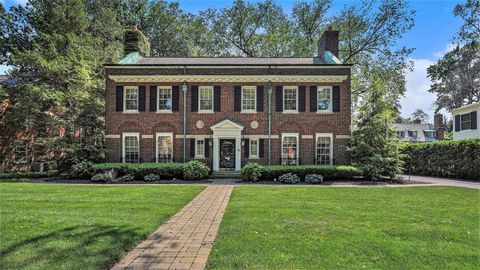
{"x":456,"y":159}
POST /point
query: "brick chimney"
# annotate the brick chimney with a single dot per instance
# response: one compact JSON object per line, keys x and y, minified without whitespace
{"x":328,"y":42}
{"x":438,"y":125}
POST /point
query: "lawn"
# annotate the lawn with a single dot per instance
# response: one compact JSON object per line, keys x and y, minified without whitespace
{"x":53,"y":226}
{"x":349,"y":228}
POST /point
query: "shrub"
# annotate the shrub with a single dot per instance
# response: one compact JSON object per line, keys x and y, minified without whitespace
{"x":151,"y":177}
{"x":17,"y":175}
{"x":456,"y":159}
{"x":83,"y":169}
{"x":313,"y":179}
{"x":329,"y":172}
{"x":251,"y":172}
{"x":140,"y":170}
{"x":195,"y":170}
{"x":107,"y":176}
{"x":126,"y":178}
{"x":289,"y":178}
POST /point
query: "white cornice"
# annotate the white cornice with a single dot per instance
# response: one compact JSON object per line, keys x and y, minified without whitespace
{"x":226,"y":67}
{"x":228,"y":78}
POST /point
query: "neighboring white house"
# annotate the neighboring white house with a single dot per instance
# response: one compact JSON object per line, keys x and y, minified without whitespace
{"x":467,"y":122}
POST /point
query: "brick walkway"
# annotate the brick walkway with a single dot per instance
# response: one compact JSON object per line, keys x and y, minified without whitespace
{"x":185,"y":240}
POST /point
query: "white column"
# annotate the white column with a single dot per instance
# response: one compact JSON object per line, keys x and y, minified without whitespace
{"x":238,"y":153}
{"x":216,"y":154}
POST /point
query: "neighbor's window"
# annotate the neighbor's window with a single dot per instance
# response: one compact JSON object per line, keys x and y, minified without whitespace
{"x":465,"y":120}
{"x":21,"y":152}
{"x":400,"y":134}
{"x":131,"y":98}
{"x":289,"y":149}
{"x":289,"y":98}
{"x":206,"y":98}
{"x":324,"y":96}
{"x":249,"y":95}
{"x":200,"y":148}
{"x":324,"y":149}
{"x":131,"y":147}
{"x":164,"y":98}
{"x":253,"y":148}
{"x":164,"y":147}
{"x":430,"y":133}
{"x":413,"y":134}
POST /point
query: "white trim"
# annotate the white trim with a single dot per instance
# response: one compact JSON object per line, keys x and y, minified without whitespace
{"x":158,"y":99}
{"x":162,"y":134}
{"x":248,"y":87}
{"x":113,"y":136}
{"x":307,"y":136}
{"x":328,"y":135}
{"x":466,"y":108}
{"x":260,"y":136}
{"x":129,"y":87}
{"x":199,"y":99}
{"x":197,"y":156}
{"x":147,"y":136}
{"x":290,"y":87}
{"x":250,"y":156}
{"x":297,"y":150}
{"x":130,"y":134}
{"x":230,"y":78}
{"x":343,"y":136}
{"x":180,"y":136}
{"x":330,"y":106}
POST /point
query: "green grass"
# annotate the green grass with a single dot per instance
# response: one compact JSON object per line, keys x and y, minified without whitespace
{"x":52,"y":226}
{"x":349,"y":228}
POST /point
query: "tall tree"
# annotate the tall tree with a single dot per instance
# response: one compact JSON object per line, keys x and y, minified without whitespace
{"x":469,"y":12}
{"x":420,"y":115}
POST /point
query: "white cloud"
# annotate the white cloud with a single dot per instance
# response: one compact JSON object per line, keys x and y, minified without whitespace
{"x":448,"y":48}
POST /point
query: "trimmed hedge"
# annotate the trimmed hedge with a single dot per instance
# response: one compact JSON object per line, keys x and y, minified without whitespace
{"x":455,"y":159}
{"x":17,"y":175}
{"x":140,"y":170}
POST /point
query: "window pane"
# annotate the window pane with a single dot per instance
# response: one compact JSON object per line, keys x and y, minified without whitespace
{"x":200,"y":149}
{"x":131,"y":99}
{"x":206,"y":98}
{"x":324,"y":99}
{"x":165,"y":149}
{"x":465,"y":121}
{"x":248,"y":99}
{"x":323,"y":150}
{"x":290,"y":99}
{"x":131,"y":149}
{"x":289,"y":151}
{"x":254,"y":148}
{"x":164,"y":99}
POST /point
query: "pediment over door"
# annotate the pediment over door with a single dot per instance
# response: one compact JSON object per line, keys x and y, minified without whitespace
{"x":227,"y":128}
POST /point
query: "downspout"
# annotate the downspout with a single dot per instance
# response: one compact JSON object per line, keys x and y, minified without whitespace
{"x":184,"y":90}
{"x":269,"y":123}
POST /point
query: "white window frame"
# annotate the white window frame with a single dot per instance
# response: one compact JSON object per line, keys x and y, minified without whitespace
{"x":324,"y":135}
{"x":200,"y":99}
{"x":257,"y":148}
{"x":297,"y":152}
{"x":296,"y":99}
{"x":197,"y":154}
{"x":130,"y":134}
{"x":157,"y":136}
{"x":125,"y":90}
{"x":158,"y":99}
{"x":469,"y":121}
{"x":254,"y":110}
{"x":331,"y":99}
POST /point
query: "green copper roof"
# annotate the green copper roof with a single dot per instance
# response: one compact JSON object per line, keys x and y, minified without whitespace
{"x":131,"y":58}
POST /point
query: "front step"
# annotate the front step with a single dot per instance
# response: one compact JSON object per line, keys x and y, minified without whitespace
{"x":225,"y":174}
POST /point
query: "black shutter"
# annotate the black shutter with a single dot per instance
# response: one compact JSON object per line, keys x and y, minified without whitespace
{"x":141,"y":98}
{"x":457,"y":122}
{"x":301,"y":98}
{"x":313,"y":98}
{"x":237,"y":98}
{"x":336,"y":99}
{"x":192,"y":148}
{"x":247,"y":148}
{"x":217,"y":98}
{"x":175,"y":98}
{"x":473,"y":120}
{"x":194,"y":98}
{"x":207,"y":148}
{"x":153,"y":98}
{"x":259,"y":98}
{"x":119,"y":98}
{"x":279,"y":98}
{"x":261,"y":148}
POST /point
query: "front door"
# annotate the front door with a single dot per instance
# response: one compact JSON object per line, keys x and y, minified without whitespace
{"x":227,"y":154}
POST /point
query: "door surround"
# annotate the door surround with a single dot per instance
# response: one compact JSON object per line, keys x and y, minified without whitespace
{"x":226,"y":129}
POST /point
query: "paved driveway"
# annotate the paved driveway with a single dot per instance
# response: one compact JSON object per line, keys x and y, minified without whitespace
{"x":443,"y":181}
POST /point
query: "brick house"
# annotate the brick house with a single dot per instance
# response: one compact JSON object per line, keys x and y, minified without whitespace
{"x":230,"y":111}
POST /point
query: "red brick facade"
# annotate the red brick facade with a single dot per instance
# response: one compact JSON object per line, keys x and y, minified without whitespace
{"x":306,"y":123}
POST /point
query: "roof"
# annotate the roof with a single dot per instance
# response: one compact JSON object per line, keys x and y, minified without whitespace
{"x":473,"y":106}
{"x":419,"y":128}
{"x":137,"y":60}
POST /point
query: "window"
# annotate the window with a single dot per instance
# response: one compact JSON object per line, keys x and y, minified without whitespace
{"x":164,"y":147}
{"x":253,"y":148}
{"x":430,"y":133}
{"x":324,"y":96}
{"x":200,"y":148}
{"x":400,"y":134}
{"x":324,"y":149}
{"x":465,"y":120}
{"x":21,"y":152}
{"x":131,"y":98}
{"x":290,"y":149}
{"x":413,"y":134}
{"x":206,"y":98}
{"x":131,"y":147}
{"x":164,"y":99}
{"x":249,"y":98}
{"x":290,"y":99}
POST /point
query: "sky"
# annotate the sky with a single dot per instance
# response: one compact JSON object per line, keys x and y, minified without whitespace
{"x":431,"y":37}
